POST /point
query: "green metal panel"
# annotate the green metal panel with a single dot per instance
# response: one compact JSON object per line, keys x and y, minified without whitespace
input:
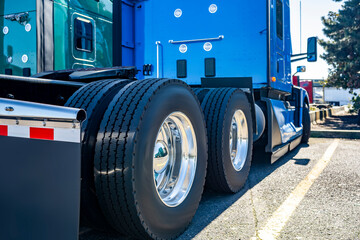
{"x":67,"y":56}
{"x":63,"y":2}
{"x":102,"y":7}
{"x":104,"y":43}
{"x":61,"y":35}
{"x":17,"y":43}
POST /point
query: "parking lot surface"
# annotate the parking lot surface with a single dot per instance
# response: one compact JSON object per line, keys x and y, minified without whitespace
{"x":311,"y":193}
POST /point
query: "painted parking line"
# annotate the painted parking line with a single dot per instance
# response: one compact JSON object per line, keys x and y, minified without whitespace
{"x":277,"y":221}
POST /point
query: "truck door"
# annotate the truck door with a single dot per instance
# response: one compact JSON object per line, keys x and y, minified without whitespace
{"x":279,"y":40}
{"x":280,"y":45}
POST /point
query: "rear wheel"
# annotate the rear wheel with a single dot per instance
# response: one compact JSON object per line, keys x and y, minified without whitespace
{"x":229,"y":125}
{"x":94,"y":98}
{"x":151,"y":157}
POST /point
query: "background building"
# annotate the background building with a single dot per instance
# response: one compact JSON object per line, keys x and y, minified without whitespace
{"x":332,"y":95}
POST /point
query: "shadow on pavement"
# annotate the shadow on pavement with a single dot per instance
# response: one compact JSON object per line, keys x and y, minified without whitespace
{"x":340,"y":122}
{"x":213,"y":204}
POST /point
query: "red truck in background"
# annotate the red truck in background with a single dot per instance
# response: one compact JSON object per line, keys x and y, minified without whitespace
{"x":307,"y":85}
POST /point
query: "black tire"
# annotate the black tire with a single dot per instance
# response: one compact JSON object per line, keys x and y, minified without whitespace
{"x":219,"y":107}
{"x":306,"y":124}
{"x":201,"y":93}
{"x":124,"y":154}
{"x":94,"y":98}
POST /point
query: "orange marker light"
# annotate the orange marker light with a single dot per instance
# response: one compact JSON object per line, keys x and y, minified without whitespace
{"x":273,"y":79}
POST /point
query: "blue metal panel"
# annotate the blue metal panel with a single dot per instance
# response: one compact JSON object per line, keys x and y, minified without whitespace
{"x":128,"y":34}
{"x":11,"y":7}
{"x":140,"y":38}
{"x":242,"y":52}
{"x":285,"y":119}
{"x":280,"y":49}
{"x":288,"y":46}
{"x":128,"y":57}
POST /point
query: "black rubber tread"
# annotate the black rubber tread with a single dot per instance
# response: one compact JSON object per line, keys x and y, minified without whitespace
{"x":215,"y":105}
{"x":212,"y":109}
{"x":306,"y":124}
{"x":201,"y":93}
{"x":196,"y":90}
{"x":115,"y":151}
{"x":94,"y":99}
{"x":118,"y":214}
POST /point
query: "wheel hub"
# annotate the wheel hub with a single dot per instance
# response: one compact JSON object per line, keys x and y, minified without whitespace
{"x":239,"y":140}
{"x":161,"y":157}
{"x":174,"y":159}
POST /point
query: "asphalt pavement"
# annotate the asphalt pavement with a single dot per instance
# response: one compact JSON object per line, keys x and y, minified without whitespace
{"x":311,"y":193}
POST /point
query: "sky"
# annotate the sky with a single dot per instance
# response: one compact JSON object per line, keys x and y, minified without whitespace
{"x":312,"y":11}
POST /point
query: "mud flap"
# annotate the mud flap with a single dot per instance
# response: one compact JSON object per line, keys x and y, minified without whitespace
{"x":283,"y":135}
{"x":40,"y":177}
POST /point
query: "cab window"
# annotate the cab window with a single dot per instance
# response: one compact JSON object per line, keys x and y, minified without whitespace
{"x":83,"y":33}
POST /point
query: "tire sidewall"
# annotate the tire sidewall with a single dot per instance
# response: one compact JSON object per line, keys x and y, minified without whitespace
{"x":236,"y":179}
{"x":161,"y":220}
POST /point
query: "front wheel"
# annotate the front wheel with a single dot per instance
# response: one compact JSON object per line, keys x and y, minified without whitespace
{"x":151,"y":159}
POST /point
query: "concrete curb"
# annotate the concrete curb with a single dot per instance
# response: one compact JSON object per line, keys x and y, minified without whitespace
{"x":348,"y":134}
{"x":321,"y":115}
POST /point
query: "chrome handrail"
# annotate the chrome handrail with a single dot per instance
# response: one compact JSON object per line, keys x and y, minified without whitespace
{"x":221,"y":37}
{"x":158,"y":43}
{"x":28,"y":110}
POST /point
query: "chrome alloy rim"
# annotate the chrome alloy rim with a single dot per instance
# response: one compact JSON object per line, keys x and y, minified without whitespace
{"x":174,"y":159}
{"x":239,"y":140}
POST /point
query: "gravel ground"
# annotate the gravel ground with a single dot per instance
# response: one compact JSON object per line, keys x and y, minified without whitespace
{"x":330,"y":210}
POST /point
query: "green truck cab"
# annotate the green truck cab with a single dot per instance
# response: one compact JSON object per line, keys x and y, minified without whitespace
{"x":44,"y":35}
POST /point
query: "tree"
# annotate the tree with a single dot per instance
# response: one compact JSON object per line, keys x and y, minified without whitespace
{"x":342,"y":49}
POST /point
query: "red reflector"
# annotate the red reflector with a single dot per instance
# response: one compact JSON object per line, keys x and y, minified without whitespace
{"x":3,"y":130}
{"x":42,"y":133}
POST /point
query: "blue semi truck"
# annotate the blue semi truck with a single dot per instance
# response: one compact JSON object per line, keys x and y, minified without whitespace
{"x":179,"y":95}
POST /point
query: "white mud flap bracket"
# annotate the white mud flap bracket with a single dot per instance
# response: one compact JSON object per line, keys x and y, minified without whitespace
{"x":40,"y":171}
